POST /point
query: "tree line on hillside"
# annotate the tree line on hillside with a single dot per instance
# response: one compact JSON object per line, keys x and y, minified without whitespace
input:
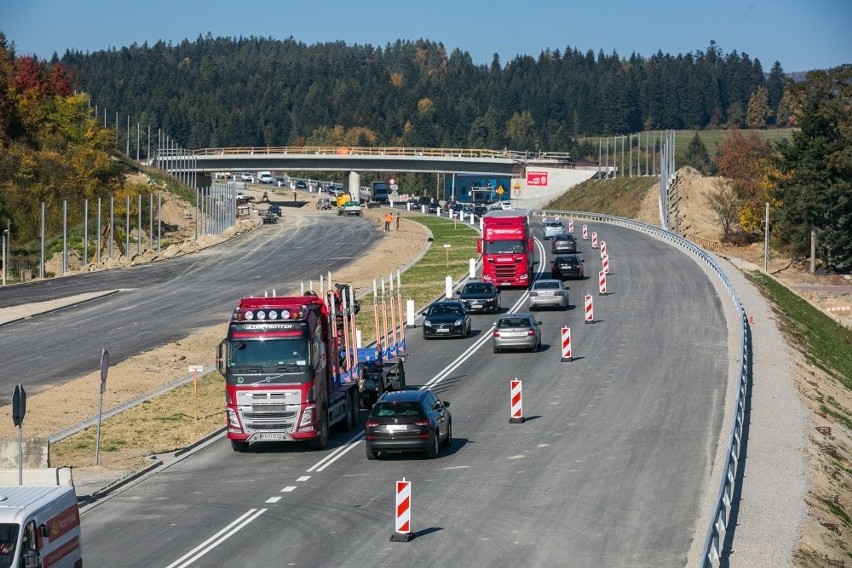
{"x":216,"y":92}
{"x":54,"y":149}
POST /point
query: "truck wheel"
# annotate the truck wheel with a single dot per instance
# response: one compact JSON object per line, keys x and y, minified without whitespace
{"x":239,"y":446}
{"x":321,"y":441}
{"x":433,"y":450}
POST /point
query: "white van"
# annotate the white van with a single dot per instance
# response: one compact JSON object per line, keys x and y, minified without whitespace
{"x":265,"y":177}
{"x":39,"y":526}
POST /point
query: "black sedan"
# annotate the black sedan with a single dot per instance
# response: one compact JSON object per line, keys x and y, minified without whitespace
{"x":274,"y":210}
{"x":480,"y":296}
{"x":446,"y":319}
{"x":563,"y":244}
{"x":567,"y":266}
{"x":408,"y":421}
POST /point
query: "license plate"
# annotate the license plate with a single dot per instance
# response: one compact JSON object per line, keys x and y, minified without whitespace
{"x":396,"y":427}
{"x":443,"y":330}
{"x":271,"y":437}
{"x":476,"y":305}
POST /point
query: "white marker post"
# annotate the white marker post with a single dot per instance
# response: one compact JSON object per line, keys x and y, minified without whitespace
{"x":195,"y":369}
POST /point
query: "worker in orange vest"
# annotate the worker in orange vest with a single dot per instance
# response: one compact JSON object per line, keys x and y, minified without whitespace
{"x":388,"y":219}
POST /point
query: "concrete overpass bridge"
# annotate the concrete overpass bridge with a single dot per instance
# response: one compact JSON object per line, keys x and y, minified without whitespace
{"x":195,"y":167}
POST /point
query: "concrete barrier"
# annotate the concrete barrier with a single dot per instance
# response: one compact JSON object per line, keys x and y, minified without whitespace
{"x":36,"y":452}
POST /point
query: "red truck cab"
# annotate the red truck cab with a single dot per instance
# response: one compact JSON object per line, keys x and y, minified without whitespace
{"x":506,"y":247}
{"x":282,"y":373}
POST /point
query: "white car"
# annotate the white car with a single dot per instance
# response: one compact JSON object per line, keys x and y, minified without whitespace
{"x":553,"y":228}
{"x":247,"y":178}
{"x":548,"y":293}
{"x":506,"y":205}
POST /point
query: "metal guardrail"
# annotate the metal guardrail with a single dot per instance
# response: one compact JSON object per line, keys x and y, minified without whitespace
{"x":718,"y":526}
{"x":384,"y":151}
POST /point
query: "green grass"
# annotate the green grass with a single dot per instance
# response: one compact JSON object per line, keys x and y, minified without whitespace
{"x":620,"y":196}
{"x":425,"y":281}
{"x":824,"y":342}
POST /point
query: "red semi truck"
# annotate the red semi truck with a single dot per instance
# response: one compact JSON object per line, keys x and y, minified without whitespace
{"x":283,"y":380}
{"x":506,"y":247}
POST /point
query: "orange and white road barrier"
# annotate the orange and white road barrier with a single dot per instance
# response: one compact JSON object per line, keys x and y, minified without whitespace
{"x":594,"y":240}
{"x":605,"y":263}
{"x":585,"y":233}
{"x":590,"y":309}
{"x":603,"y":249}
{"x":517,"y":413}
{"x":602,"y":283}
{"x":566,"y":344}
{"x":571,"y":226}
{"x":402,"y":527}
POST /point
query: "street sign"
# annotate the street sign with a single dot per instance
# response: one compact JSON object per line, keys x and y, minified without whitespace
{"x":196,"y":368}
{"x":19,"y":405}
{"x":104,"y":368}
{"x":500,"y":190}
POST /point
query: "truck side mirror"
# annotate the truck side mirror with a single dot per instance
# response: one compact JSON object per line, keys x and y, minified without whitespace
{"x":220,"y":358}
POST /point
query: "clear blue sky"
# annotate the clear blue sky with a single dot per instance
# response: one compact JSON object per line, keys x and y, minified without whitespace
{"x":801,"y":34}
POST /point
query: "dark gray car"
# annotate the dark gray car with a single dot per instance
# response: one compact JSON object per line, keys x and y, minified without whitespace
{"x":516,"y":331}
{"x":480,"y":296}
{"x":408,"y":421}
{"x":446,"y":319}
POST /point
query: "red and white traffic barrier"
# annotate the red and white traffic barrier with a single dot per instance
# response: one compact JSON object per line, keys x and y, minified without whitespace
{"x":402,"y":526}
{"x":602,"y":283}
{"x":594,"y":239}
{"x":603,"y":249}
{"x":590,"y":310}
{"x":517,"y":411}
{"x":585,"y":233}
{"x":605,"y":263}
{"x":571,"y":226}
{"x":566,"y":344}
{"x":839,"y":308}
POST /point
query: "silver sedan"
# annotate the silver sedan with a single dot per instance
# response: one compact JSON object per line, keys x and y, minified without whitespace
{"x":516,"y":331}
{"x":548,"y":293}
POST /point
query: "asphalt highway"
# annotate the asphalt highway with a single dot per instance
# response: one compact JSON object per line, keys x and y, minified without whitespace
{"x":165,"y":301}
{"x":608,"y":469}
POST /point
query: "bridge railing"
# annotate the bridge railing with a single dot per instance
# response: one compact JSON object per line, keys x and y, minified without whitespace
{"x":386,"y":151}
{"x":718,"y":523}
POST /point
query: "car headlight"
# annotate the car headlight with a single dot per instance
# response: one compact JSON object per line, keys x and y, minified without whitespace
{"x":459,"y":322}
{"x":427,"y":323}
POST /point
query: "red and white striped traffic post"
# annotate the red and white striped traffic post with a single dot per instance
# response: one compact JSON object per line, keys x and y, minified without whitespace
{"x":566,"y":344}
{"x":602,"y":283}
{"x":605,"y":264}
{"x":585,"y":233}
{"x":603,"y":249}
{"x":571,"y":226}
{"x":517,"y":411}
{"x":594,"y":239}
{"x":402,"y":527}
{"x":590,"y":311}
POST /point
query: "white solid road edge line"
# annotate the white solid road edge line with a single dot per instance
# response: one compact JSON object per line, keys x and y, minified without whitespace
{"x":209,"y":544}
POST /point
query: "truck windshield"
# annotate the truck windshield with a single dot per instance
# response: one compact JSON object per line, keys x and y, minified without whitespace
{"x":498,"y":247}
{"x":269,"y":354}
{"x":8,"y":542}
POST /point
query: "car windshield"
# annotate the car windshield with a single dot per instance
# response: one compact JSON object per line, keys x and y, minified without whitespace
{"x":391,"y":409}
{"x":477,"y":289}
{"x":546,"y":285}
{"x":513,"y":322}
{"x":510,"y":246}
{"x":554,"y":224}
{"x":566,"y":260}
{"x":446,"y":310}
